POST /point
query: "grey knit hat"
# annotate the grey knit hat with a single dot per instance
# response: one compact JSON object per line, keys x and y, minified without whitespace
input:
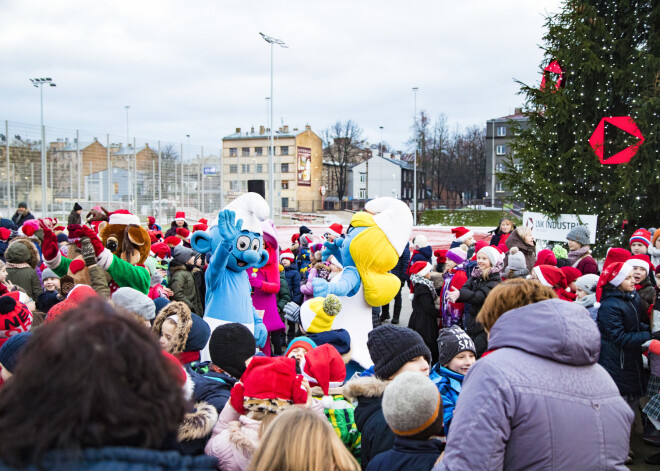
{"x":182,"y":254}
{"x":391,"y":347}
{"x":452,"y":341}
{"x":48,"y":273}
{"x":412,"y":406}
{"x":516,"y":263}
{"x":580,"y":234}
{"x":134,"y":301}
{"x":587,"y":283}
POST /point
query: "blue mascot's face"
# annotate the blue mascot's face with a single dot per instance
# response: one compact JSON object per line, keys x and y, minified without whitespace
{"x":247,"y":251}
{"x":345,"y":245}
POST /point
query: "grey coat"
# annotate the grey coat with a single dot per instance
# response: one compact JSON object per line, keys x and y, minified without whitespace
{"x":540,"y":401}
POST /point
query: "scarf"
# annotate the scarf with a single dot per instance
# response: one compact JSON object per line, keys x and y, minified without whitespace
{"x":588,"y":301}
{"x":477,"y":273}
{"x":420,"y":280}
{"x":18,"y":265}
{"x":575,"y":256}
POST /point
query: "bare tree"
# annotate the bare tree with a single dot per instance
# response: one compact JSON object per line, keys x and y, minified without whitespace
{"x":342,"y":147}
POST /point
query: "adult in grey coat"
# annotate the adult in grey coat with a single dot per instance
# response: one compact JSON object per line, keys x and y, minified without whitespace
{"x":540,"y":400}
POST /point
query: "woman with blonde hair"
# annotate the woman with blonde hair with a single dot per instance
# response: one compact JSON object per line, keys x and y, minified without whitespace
{"x":548,"y":400}
{"x":522,"y":238}
{"x":311,"y":445}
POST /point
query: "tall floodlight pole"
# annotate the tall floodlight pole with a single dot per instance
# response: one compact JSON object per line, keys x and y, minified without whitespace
{"x":39,"y":83}
{"x":128,"y":160}
{"x":381,"y":140}
{"x":415,"y":90}
{"x":271,"y":171}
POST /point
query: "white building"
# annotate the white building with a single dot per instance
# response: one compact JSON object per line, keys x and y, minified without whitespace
{"x":382,"y":176}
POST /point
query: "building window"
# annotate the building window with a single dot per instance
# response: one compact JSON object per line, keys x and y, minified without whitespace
{"x":285,"y":185}
{"x":260,"y":168}
{"x":284,"y":150}
{"x":245,"y":151}
{"x":233,"y":185}
{"x":499,"y":187}
{"x":518,"y":166}
{"x":362,"y":194}
{"x":363,"y":177}
{"x":233,"y":151}
{"x":500,"y":150}
{"x":245,"y":168}
{"x":501,"y":131}
{"x":244,"y":185}
{"x":285,"y":202}
{"x":285,"y":168}
{"x":233,"y":168}
{"x":258,"y":151}
{"x":500,"y":167}
{"x":116,"y":188}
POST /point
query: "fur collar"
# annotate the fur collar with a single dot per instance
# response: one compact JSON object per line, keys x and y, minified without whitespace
{"x":182,"y":328}
{"x":241,"y":438}
{"x":199,"y":423}
{"x":365,"y":387}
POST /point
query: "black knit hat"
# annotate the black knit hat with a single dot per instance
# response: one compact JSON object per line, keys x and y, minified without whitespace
{"x":391,"y":347}
{"x":229,"y":347}
{"x":77,"y":207}
{"x":304,"y":230}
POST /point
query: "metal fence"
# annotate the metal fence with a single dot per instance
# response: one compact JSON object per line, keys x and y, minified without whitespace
{"x":148,"y":177}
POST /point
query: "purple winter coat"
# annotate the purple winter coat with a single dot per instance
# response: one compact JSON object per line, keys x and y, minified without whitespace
{"x":540,"y":400}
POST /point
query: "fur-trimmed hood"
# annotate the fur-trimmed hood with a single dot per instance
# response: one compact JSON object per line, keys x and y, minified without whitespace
{"x":199,"y":423}
{"x":34,"y":259}
{"x":182,"y":327}
{"x":369,"y":386}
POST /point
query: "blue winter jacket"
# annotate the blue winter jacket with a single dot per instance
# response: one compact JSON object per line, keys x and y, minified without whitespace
{"x":622,"y":336}
{"x":402,"y":265}
{"x":449,"y":384}
{"x":211,"y":387}
{"x":407,"y":455}
{"x":424,"y":254}
{"x":120,"y":459}
{"x":293,"y":279}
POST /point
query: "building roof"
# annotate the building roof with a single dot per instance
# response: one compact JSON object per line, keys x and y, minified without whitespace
{"x":72,"y":147}
{"x":400,"y":163}
{"x":511,"y":117}
{"x":128,"y":151}
{"x":252,"y":134}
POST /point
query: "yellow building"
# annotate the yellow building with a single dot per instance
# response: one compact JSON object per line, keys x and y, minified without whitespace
{"x":298,"y":162}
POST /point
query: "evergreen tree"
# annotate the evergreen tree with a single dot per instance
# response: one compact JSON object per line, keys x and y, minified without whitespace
{"x":610,"y":53}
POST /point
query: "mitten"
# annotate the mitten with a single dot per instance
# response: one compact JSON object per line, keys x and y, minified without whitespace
{"x":292,"y":312}
{"x":49,"y":246}
{"x":88,"y":252}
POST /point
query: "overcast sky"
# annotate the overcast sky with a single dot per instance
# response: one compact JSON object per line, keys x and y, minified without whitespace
{"x":200,"y":67}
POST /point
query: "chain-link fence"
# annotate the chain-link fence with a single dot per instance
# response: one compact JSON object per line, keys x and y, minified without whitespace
{"x":147,"y":177}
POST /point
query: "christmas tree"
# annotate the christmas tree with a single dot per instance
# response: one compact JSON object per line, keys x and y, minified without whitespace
{"x":602,"y":59}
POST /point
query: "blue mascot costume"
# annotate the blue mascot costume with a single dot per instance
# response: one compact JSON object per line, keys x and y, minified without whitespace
{"x":236,"y":245}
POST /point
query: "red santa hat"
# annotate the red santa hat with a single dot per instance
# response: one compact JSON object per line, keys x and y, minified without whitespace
{"x":95,"y":225}
{"x":161,"y":251}
{"x":643,"y":261}
{"x":550,"y":276}
{"x":546,"y":257}
{"x":183,"y":232}
{"x":480,"y":244}
{"x":336,"y":229}
{"x":441,"y":255}
{"x":614,"y":275}
{"x":5,"y":234}
{"x":420,"y":268}
{"x":641,"y":235}
{"x":173,"y":241}
{"x":324,"y":367}
{"x":294,"y":238}
{"x":180,"y":216}
{"x":614,"y":255}
{"x":123,"y":217}
{"x":287,"y":254}
{"x":571,"y":274}
{"x":200,"y":227}
{"x":203,"y":221}
{"x":462,"y":234}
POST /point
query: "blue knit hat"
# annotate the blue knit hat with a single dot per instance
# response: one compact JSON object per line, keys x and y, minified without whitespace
{"x":11,"y":348}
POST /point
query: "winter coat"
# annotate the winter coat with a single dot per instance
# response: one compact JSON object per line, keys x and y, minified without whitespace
{"x":74,"y":218}
{"x":198,"y":275}
{"x":196,"y":428}
{"x":182,"y":284}
{"x":235,"y":438}
{"x":172,"y":230}
{"x":265,"y":297}
{"x":452,"y":313}
{"x":376,"y":434}
{"x":210,"y":387}
{"x":283,"y":295}
{"x":48,"y":299}
{"x":587,"y":265}
{"x":473,"y":294}
{"x":622,"y":336}
{"x":307,"y":289}
{"x":646,"y":293}
{"x":540,"y":402}
{"x":25,"y":277}
{"x":401,"y":267}
{"x":407,"y":455}
{"x":449,"y":383}
{"x":424,"y":254}
{"x":303,"y":259}
{"x":499,"y":238}
{"x":18,"y":219}
{"x":293,"y":279}
{"x":529,"y":251}
{"x":424,"y":318}
{"x":120,"y":459}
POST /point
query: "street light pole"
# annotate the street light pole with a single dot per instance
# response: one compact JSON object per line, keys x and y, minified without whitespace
{"x":271,"y":171}
{"x":415,"y":90}
{"x":40,"y":82}
{"x":381,"y":141}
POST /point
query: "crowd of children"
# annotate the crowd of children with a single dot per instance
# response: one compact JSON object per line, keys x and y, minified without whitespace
{"x":511,"y":358}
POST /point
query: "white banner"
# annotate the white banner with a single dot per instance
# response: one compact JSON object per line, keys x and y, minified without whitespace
{"x":545,"y":228}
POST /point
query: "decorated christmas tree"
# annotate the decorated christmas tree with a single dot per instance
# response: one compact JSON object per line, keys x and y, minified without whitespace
{"x":602,"y":60}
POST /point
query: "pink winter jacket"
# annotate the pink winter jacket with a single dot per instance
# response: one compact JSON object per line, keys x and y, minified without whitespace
{"x":307,"y":289}
{"x":235,"y":438}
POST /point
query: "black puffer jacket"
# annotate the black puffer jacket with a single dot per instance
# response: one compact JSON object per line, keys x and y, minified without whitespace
{"x":401,"y":266}
{"x":622,"y":336}
{"x":473,"y":294}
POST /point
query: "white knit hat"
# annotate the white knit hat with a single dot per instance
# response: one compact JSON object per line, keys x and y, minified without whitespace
{"x":394,"y":218}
